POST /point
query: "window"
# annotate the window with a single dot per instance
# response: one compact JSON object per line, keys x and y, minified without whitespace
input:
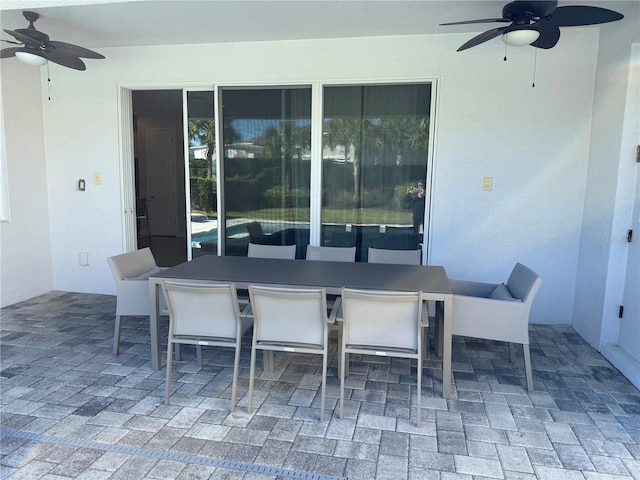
{"x":374,"y":165}
{"x":266,"y":167}
{"x":201,"y":132}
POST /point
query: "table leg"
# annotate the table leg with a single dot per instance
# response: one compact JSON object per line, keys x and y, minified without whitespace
{"x":446,"y":355}
{"x":154,"y":324}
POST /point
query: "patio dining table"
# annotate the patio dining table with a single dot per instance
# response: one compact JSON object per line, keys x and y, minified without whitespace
{"x":431,"y":280}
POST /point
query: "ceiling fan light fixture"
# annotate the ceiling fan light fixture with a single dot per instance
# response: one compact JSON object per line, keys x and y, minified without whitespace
{"x":31,"y":59}
{"x":519,"y":38}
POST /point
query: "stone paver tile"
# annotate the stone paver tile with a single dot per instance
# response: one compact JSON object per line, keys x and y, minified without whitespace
{"x":552,"y":473}
{"x":529,"y":440}
{"x":432,"y":460}
{"x":574,"y":457}
{"x":611,"y":465}
{"x":514,"y":459}
{"x":391,"y":467}
{"x":481,"y":449}
{"x":378,"y":422}
{"x":33,"y":469}
{"x":110,"y":461}
{"x":356,"y":450}
{"x":477,"y":466}
{"x":165,"y":470}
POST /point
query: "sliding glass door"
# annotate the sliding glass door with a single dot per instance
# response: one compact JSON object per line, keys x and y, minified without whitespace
{"x":251,"y":166}
{"x":266,"y":167}
{"x":201,"y":132}
{"x":374,"y":166}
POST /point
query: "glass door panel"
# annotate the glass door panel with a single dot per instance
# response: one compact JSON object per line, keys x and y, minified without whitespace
{"x":374,"y":164}
{"x":267,"y":167}
{"x":201,"y":130}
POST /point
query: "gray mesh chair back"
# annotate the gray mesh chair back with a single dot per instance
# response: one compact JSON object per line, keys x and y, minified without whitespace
{"x":272,"y":251}
{"x":204,"y":315}
{"x":331,"y":254}
{"x":398,"y":257}
{"x":289,"y":320}
{"x":382,"y":323}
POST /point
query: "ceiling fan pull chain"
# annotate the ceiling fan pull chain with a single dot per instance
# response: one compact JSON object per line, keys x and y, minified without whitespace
{"x":535,"y":61}
{"x":48,"y":82}
{"x":505,"y":52}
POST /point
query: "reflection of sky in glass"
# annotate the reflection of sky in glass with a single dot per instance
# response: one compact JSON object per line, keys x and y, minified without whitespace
{"x":250,"y":128}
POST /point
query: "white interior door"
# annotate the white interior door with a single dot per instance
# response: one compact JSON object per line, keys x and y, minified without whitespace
{"x":161,"y":181}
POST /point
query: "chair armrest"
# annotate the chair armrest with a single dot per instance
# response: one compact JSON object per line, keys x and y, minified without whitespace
{"x":472,"y":289}
{"x":489,"y":318}
{"x":335,"y":310}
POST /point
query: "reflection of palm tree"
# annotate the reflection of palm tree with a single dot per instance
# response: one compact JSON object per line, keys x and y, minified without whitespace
{"x":286,"y":142}
{"x":204,"y":131}
{"x":406,"y":133}
{"x":348,"y":133}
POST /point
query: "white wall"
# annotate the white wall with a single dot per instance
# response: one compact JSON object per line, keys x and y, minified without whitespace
{"x":25,"y":253}
{"x":490,"y":122}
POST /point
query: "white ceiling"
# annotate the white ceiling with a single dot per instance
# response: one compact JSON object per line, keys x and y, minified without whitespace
{"x":114,"y":23}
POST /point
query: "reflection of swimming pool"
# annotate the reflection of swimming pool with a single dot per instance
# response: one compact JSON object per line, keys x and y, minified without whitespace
{"x":238,"y":230}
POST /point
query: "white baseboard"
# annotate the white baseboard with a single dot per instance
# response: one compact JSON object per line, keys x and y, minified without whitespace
{"x":623,"y":361}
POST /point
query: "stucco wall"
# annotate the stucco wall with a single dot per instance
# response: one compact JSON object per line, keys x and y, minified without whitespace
{"x":534,"y":142}
{"x":25,"y":253}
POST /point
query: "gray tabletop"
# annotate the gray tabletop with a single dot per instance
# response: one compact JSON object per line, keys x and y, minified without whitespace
{"x":330,"y":275}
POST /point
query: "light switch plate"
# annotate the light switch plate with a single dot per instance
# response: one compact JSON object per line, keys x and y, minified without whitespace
{"x":487,"y":184}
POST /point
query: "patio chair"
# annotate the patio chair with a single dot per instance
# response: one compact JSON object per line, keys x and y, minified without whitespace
{"x":204,"y":315}
{"x":131,"y":272}
{"x":497,"y":311}
{"x":272,"y":251}
{"x":398,"y":257}
{"x":292,"y":320}
{"x":331,"y":254}
{"x":383,"y":323}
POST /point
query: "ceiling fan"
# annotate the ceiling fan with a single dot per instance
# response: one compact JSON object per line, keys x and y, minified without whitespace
{"x":36,"y":48}
{"x":537,"y":23}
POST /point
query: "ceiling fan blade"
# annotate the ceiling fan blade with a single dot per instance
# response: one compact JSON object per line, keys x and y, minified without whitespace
{"x":9,"y":52}
{"x":485,"y":20}
{"x":576,"y":15}
{"x":483,"y":37}
{"x":21,"y":38}
{"x":34,"y":34}
{"x":66,"y":60}
{"x":549,"y":34}
{"x":70,"y":49}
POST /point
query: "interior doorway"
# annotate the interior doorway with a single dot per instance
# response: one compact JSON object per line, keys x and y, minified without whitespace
{"x":159,"y":174}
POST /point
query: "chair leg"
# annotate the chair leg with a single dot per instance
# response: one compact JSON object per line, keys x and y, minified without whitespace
{"x":343,"y":365}
{"x":512,"y":352}
{"x":419,"y":399}
{"x":199,"y":355}
{"x":439,"y":328}
{"x":252,"y":372}
{"x":168,"y":382}
{"x":527,"y":366}
{"x":234,"y":383}
{"x":267,"y":361}
{"x":324,"y":381}
{"x":343,"y":360}
{"x":116,"y":336}
{"x":425,"y":341}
